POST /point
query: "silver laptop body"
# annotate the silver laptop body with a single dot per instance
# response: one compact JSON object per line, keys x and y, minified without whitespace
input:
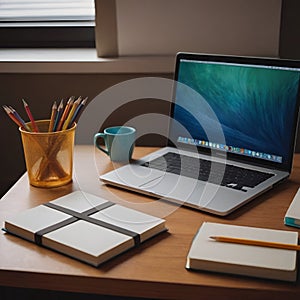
{"x":233,"y":123}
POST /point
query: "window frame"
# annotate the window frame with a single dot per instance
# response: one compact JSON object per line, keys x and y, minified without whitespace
{"x":47,"y":34}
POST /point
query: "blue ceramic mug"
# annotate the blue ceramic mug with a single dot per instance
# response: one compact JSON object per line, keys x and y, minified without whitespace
{"x":119,"y":142}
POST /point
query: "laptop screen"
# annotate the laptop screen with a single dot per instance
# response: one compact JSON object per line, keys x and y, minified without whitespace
{"x":252,"y":103}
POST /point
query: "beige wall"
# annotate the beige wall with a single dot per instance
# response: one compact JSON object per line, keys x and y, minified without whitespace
{"x":156,"y":27}
{"x":164,"y":27}
{"x":241,"y":27}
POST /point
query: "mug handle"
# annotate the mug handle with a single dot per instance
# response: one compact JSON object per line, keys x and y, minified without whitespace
{"x":96,"y":137}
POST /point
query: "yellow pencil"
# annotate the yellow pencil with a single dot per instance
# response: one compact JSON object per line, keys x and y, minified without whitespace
{"x":233,"y":240}
{"x":71,"y":113}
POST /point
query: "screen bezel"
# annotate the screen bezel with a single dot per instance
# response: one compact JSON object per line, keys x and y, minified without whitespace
{"x":243,"y":60}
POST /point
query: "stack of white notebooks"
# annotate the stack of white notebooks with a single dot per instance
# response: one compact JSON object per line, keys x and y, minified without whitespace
{"x":210,"y":255}
{"x":85,"y":227}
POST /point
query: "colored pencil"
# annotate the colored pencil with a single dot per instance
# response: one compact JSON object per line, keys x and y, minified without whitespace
{"x":65,"y":113}
{"x":53,"y":115}
{"x":71,"y":113}
{"x":61,"y":118}
{"x":11,"y":115}
{"x":255,"y":243}
{"x":34,"y":127}
{"x":78,"y":112}
{"x":58,"y":115}
{"x":15,"y":113}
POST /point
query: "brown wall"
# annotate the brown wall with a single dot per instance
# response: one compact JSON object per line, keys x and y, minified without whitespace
{"x":40,"y":90}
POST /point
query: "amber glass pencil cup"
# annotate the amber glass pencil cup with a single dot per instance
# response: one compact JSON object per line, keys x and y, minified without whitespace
{"x":48,"y":155}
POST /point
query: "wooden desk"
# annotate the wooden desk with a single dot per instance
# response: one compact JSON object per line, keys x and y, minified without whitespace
{"x":157,"y":268}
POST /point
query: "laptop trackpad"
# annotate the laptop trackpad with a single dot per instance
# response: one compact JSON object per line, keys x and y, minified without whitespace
{"x":172,"y":186}
{"x":194,"y":192}
{"x":132,"y":175}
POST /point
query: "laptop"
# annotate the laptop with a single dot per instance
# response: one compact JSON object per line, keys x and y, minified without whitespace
{"x":232,"y":131}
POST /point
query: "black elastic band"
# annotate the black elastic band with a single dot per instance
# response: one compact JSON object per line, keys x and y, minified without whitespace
{"x":86,"y":217}
{"x":39,"y":234}
{"x":98,"y":208}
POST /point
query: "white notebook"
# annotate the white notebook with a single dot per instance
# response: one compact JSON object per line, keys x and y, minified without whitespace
{"x":207,"y":254}
{"x":85,"y":227}
{"x":292,"y":216}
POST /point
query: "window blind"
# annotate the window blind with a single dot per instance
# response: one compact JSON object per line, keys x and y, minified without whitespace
{"x":47,"y":23}
{"x":46,"y":10}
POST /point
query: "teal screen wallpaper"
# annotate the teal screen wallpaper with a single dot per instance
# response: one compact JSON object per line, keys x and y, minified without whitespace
{"x":255,"y":107}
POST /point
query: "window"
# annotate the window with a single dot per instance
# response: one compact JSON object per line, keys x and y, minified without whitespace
{"x":47,"y":23}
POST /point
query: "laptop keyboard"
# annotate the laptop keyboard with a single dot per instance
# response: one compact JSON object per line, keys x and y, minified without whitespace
{"x":226,"y":175}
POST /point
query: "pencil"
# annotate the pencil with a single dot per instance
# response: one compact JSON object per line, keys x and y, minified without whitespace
{"x":14,"y":112}
{"x":34,"y":127}
{"x":53,"y":115}
{"x":71,"y":113}
{"x":78,"y":112}
{"x":58,"y":115}
{"x":10,"y":114}
{"x":65,"y":113}
{"x":233,"y":240}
